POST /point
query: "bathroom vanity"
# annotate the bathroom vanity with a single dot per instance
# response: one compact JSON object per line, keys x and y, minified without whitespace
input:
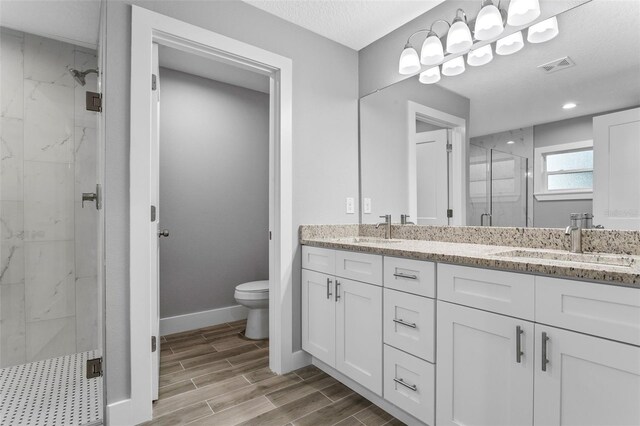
{"x":449,"y":333}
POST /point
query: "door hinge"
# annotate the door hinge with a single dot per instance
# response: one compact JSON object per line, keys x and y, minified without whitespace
{"x":154,"y":83}
{"x":153,"y":213}
{"x":449,"y":212}
{"x":94,"y":101}
{"x":94,"y":368}
{"x":269,"y":235}
{"x":449,"y":147}
{"x":154,"y":345}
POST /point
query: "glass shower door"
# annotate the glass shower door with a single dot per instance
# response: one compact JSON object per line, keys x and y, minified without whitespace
{"x":497,"y":188}
{"x":50,"y":273}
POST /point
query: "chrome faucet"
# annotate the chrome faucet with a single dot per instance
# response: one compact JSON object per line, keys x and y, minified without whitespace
{"x":574,"y":230}
{"x":387,"y":223}
{"x":404,"y":221}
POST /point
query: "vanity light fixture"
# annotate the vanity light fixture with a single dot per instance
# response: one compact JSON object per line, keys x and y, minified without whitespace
{"x":489,"y":23}
{"x":543,"y":31}
{"x":480,"y":56}
{"x":523,"y":12}
{"x":569,"y":105}
{"x":510,"y":44}
{"x":459,"y":35}
{"x":430,"y":76}
{"x":409,"y":61}
{"x":453,"y":67}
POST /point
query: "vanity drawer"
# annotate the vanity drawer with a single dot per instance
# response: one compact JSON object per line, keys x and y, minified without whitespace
{"x":319,"y":259}
{"x":359,"y":266}
{"x":409,"y":383}
{"x":597,"y":309}
{"x":502,"y":292}
{"x":409,"y":323}
{"x":412,"y":276}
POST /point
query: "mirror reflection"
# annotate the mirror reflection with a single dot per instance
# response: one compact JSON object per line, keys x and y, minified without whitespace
{"x":524,"y":140}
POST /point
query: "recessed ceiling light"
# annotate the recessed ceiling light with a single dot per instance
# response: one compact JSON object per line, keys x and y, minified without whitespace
{"x":569,"y":105}
{"x":510,"y":143}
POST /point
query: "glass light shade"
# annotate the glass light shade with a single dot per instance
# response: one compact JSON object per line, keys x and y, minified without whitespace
{"x":430,"y":76}
{"x":522,"y":12}
{"x":453,"y":67}
{"x":543,"y":31}
{"x":409,"y":62}
{"x":431,"y":52}
{"x":488,"y":23}
{"x":481,"y":56}
{"x":510,"y":44}
{"x":459,"y":38}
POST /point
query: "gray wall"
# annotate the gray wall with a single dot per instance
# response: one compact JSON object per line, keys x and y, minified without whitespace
{"x":555,"y":214}
{"x":324,"y":141}
{"x":214,"y":191}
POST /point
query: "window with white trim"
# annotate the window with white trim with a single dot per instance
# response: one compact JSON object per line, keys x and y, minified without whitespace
{"x":564,"y":172}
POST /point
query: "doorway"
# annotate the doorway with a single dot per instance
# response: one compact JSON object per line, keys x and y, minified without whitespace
{"x":149,"y":28}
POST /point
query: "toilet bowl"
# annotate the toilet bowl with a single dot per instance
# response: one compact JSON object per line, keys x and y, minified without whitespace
{"x":255,"y":296}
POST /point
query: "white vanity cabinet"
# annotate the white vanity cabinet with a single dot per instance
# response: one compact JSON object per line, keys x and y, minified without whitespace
{"x":341,"y":317}
{"x":484,"y":368}
{"x":447,"y":344}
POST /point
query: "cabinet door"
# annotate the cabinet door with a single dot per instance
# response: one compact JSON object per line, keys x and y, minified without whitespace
{"x":588,"y":380}
{"x":359,"y":332}
{"x":318,"y":316}
{"x":479,"y":377}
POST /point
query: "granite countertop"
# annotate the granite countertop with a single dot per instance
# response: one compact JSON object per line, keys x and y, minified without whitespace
{"x":561,"y":263}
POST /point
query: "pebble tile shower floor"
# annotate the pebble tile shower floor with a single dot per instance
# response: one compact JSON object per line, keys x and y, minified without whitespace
{"x":52,"y":392}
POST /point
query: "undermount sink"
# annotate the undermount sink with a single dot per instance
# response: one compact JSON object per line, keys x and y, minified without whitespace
{"x":599,"y":259}
{"x":365,"y":240}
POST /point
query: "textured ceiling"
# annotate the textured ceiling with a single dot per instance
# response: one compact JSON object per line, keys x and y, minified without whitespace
{"x":353,"y":23}
{"x":602,"y":37}
{"x":71,"y":21}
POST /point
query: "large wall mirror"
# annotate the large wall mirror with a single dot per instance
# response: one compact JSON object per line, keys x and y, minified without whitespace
{"x":524,"y":140}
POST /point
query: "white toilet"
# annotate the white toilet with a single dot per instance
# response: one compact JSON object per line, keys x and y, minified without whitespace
{"x":255,"y":296}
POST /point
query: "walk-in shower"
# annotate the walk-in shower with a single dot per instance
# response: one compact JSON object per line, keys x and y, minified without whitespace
{"x":50,"y":273}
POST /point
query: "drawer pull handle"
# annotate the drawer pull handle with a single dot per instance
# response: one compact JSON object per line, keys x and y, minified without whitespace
{"x":545,"y":360}
{"x":519,"y":352}
{"x":403,"y":322}
{"x":406,"y":385}
{"x":329,"y":282}
{"x":406,"y":276}
{"x":337,"y":291}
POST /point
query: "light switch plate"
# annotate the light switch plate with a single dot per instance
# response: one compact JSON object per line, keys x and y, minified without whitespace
{"x":351,"y":205}
{"x":367,"y":206}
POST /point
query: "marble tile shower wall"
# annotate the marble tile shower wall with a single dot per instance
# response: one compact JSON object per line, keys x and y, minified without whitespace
{"x":48,"y":275}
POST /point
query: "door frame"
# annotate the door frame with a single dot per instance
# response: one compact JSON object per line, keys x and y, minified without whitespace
{"x":148,"y":27}
{"x":458,"y":140}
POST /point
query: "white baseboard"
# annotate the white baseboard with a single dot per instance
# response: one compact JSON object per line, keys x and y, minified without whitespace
{"x":376,"y":399}
{"x":119,"y":413}
{"x":201,"y":319}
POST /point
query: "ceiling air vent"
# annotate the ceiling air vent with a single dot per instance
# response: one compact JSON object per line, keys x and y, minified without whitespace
{"x":557,"y":65}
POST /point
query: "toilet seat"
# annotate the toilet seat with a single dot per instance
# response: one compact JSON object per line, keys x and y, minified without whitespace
{"x":254,"y":290}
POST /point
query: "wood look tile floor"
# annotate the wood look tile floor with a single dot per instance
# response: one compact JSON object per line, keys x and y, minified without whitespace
{"x":216,"y":376}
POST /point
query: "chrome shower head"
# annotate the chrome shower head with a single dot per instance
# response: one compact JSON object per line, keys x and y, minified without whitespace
{"x":79,"y":76}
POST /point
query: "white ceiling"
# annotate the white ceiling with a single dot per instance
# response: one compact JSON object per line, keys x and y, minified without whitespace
{"x":353,"y":23}
{"x":71,"y":21}
{"x":602,"y":37}
{"x":213,"y":70}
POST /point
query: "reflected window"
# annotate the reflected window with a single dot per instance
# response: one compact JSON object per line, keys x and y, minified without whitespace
{"x":564,"y":171}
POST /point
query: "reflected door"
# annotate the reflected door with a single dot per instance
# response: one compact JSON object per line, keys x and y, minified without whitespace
{"x":508,"y":189}
{"x":432,"y":188}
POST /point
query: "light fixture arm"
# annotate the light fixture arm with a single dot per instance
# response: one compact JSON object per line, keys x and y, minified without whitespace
{"x":458,"y":18}
{"x":429,"y":31}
